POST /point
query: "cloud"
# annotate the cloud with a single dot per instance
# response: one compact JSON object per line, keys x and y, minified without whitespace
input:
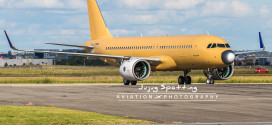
{"x":141,"y":19}
{"x":67,"y":32}
{"x":264,"y":11}
{"x":4,"y":23}
{"x":241,"y":9}
{"x":59,"y":11}
{"x":138,"y":4}
{"x":36,"y":4}
{"x":160,"y":4}
{"x":2,"y":2}
{"x":181,"y":4}
{"x":269,"y":24}
{"x":156,"y":32}
{"x":226,"y":8}
{"x":120,"y":32}
{"x":77,"y":21}
{"x":183,"y":29}
{"x":58,"y":4}
{"x":214,"y":8}
{"x":180,"y":11}
{"x":76,"y":4}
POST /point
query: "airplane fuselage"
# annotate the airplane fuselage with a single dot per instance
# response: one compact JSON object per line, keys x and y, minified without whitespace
{"x":177,"y":53}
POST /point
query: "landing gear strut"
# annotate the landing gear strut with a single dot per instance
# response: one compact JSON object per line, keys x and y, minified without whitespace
{"x":185,"y":79}
{"x":127,"y":82}
{"x":209,"y":80}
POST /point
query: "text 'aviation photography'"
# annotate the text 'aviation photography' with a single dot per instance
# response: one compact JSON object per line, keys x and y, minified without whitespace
{"x":188,"y":62}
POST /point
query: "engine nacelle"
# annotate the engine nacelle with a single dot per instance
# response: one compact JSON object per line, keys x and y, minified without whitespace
{"x":221,"y":73}
{"x":135,"y":70}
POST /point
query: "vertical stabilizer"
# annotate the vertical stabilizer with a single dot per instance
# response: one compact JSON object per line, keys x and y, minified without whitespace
{"x":261,"y":41}
{"x":98,"y":27}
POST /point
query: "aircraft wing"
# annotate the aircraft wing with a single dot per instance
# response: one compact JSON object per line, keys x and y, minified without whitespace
{"x":246,"y":52}
{"x":119,"y":58}
{"x":262,"y":48}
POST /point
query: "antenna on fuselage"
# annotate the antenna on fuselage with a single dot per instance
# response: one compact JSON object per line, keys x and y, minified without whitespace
{"x":208,"y":33}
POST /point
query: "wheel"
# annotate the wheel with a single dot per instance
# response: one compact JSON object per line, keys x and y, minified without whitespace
{"x":126,"y":82}
{"x":134,"y":83}
{"x":212,"y":81}
{"x":181,"y":80}
{"x":208,"y":81}
{"x":188,"y":80}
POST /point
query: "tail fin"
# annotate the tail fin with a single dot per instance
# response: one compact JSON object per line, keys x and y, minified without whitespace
{"x":98,"y":27}
{"x":261,"y":41}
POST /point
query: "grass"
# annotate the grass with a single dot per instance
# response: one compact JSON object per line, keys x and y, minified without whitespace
{"x":70,"y":74}
{"x":59,"y":71}
{"x":30,"y":115}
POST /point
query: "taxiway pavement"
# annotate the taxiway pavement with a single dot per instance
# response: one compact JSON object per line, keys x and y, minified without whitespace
{"x":249,"y":103}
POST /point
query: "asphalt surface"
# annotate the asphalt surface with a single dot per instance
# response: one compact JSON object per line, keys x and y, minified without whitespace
{"x":236,"y":103}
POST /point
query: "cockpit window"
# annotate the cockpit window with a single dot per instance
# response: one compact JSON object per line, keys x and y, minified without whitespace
{"x":227,"y":45}
{"x":214,"y":45}
{"x":218,"y":45}
{"x":209,"y":46}
{"x":221,"y":45}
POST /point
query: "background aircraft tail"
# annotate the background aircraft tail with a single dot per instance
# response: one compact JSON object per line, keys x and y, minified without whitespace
{"x":261,"y":41}
{"x":98,"y":27}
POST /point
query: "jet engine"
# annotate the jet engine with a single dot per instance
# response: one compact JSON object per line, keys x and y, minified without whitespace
{"x":135,"y":70}
{"x":221,"y":73}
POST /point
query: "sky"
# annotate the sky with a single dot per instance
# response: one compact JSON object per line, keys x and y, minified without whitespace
{"x":31,"y":23}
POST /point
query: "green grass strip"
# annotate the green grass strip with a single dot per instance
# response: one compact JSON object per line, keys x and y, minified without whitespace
{"x":30,"y":115}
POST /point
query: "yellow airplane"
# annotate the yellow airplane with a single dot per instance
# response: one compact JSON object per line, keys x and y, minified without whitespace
{"x":138,"y":56}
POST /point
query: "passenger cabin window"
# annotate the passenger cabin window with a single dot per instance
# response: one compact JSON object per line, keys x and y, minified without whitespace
{"x":161,"y":47}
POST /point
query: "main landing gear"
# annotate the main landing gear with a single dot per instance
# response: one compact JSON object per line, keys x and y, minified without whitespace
{"x":127,"y":82}
{"x":185,"y":79}
{"x":209,"y":80}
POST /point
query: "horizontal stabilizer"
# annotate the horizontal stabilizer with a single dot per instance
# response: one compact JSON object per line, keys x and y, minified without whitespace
{"x":84,"y":47}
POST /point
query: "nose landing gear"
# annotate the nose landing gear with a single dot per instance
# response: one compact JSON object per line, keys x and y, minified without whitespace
{"x":209,"y":80}
{"x":185,"y":79}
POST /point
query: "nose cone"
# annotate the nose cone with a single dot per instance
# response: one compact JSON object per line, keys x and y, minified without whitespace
{"x":228,"y":57}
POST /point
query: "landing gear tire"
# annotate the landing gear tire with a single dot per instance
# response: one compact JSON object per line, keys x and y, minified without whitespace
{"x":126,"y":82}
{"x":188,"y":80}
{"x":134,"y":83}
{"x":185,"y":79}
{"x":210,"y":81}
{"x":181,"y":80}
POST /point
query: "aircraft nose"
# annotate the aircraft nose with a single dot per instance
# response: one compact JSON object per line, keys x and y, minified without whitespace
{"x":228,"y":57}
